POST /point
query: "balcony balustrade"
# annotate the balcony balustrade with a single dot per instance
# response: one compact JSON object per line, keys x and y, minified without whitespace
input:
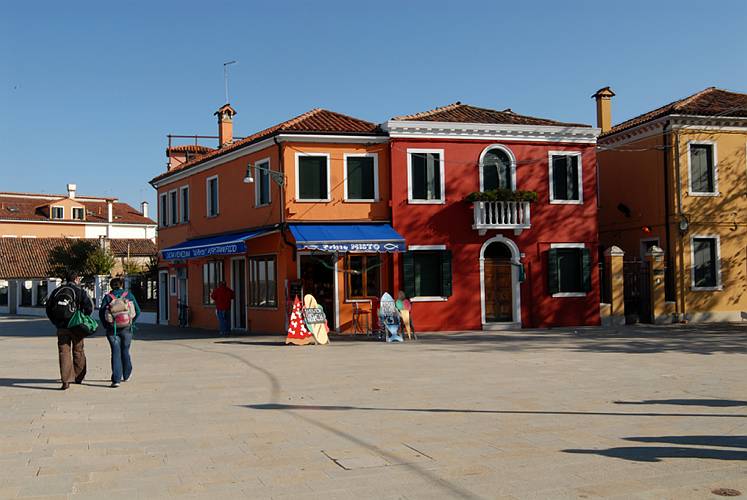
{"x":501,"y":215}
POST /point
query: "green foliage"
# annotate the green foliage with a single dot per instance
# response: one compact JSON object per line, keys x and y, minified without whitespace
{"x":131,"y":267}
{"x":502,"y":195}
{"x":85,"y":257}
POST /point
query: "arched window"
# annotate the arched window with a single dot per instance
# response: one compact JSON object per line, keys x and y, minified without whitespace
{"x":496,"y":166}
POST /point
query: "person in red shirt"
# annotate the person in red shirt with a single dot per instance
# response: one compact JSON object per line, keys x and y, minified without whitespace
{"x":222,"y":296}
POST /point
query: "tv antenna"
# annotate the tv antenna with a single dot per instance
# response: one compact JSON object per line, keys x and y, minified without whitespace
{"x":225,"y":76}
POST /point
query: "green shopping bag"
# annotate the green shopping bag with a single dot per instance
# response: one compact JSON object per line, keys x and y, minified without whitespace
{"x":82,"y":324}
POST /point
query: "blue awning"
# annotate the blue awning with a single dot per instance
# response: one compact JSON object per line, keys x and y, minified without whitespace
{"x":347,"y":237}
{"x":225,"y":244}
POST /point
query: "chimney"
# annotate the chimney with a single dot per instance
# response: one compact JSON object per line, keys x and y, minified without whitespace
{"x":603,"y":97}
{"x":71,"y":188}
{"x":144,"y":208}
{"x":109,"y":211}
{"x":225,"y":116}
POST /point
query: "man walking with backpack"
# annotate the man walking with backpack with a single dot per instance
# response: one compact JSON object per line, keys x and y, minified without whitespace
{"x":118,"y":313}
{"x":62,"y":304}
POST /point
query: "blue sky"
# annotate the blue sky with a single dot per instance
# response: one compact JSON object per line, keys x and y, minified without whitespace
{"x":89,"y":90}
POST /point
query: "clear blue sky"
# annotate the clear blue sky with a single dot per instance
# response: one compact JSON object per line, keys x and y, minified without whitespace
{"x":89,"y":90}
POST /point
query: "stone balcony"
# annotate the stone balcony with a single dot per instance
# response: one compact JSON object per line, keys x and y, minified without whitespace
{"x":501,"y":215}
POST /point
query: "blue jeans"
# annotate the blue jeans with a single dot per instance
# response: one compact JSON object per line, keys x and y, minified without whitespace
{"x":121,"y":362}
{"x":223,"y":321}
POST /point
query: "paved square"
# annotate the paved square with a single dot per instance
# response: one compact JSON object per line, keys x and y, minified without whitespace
{"x":627,"y":413}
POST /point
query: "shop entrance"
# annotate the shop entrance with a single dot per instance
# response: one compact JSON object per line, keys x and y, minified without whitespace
{"x":317,"y":272}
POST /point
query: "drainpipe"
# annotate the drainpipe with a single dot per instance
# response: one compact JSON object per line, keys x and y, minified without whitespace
{"x":283,"y":224}
{"x":681,"y":268}
{"x":667,"y":216}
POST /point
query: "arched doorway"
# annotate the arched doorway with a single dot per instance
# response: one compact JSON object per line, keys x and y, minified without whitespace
{"x":499,"y":279}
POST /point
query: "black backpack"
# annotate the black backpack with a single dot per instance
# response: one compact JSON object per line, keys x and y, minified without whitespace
{"x":61,"y":305}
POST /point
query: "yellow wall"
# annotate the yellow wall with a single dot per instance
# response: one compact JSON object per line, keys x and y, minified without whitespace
{"x":42,"y":229}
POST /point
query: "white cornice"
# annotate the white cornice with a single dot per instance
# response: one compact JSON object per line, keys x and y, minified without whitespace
{"x":676,"y":122}
{"x":634,"y":134}
{"x":81,"y":223}
{"x":263,"y":144}
{"x":489,"y":131}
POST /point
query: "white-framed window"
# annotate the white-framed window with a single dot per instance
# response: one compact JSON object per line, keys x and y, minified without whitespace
{"x":312,"y":177}
{"x":173,"y":207}
{"x":211,"y":187}
{"x":566,"y":177}
{"x":58,"y":212}
{"x":427,"y":273}
{"x":425,"y":176}
{"x":163,"y":210}
{"x":569,"y":270}
{"x":262,"y":192}
{"x":702,"y":167}
{"x":263,"y":281}
{"x":497,"y":168}
{"x":172,"y":285}
{"x":361,"y":177}
{"x":4,"y":292}
{"x":184,"y":203}
{"x":79,"y":213}
{"x":212,"y":274}
{"x":647,"y":244}
{"x":705,"y":259}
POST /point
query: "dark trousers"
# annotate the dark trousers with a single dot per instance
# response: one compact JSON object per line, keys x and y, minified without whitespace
{"x":72,"y":366}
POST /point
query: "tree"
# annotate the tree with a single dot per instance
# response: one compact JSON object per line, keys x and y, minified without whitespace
{"x":84,"y":257}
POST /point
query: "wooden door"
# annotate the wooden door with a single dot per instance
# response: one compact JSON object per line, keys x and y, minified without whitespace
{"x":498,"y":290}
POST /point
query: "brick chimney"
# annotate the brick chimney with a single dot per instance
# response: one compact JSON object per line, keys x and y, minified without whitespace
{"x":603,"y":97}
{"x":225,"y":116}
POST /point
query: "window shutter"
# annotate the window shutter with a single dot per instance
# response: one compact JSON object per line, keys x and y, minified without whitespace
{"x":408,"y":266}
{"x":552,"y":271}
{"x":446,"y":273}
{"x":586,"y":268}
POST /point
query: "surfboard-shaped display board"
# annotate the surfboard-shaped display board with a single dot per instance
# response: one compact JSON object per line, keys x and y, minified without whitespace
{"x":316,"y":320}
{"x":298,"y":334}
{"x":389,"y":317}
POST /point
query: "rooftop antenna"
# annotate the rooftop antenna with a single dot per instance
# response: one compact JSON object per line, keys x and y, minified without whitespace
{"x":225,"y":76}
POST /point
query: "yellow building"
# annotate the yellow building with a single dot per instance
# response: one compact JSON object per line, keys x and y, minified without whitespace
{"x":676,"y":177}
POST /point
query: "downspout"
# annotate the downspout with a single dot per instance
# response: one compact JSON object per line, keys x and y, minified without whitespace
{"x":681,"y":267}
{"x":283,"y":224}
{"x":667,"y":216}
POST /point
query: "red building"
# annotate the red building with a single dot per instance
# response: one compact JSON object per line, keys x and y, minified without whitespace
{"x":506,"y":262}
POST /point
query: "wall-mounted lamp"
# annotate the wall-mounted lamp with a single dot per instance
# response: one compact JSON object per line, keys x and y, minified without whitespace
{"x":276,"y":177}
{"x":684,"y":224}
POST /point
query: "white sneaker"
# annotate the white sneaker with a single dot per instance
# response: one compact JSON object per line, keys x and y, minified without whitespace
{"x":115,"y":384}
{"x":127,"y":379}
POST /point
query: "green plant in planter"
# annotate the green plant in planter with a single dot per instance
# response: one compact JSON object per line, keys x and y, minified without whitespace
{"x":501,"y":195}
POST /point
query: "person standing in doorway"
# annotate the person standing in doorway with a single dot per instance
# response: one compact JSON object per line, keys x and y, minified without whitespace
{"x":118,"y":313}
{"x":222,"y":296}
{"x":64,"y":301}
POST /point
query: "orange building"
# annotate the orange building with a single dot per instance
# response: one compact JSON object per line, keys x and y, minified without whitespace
{"x":300,"y":204}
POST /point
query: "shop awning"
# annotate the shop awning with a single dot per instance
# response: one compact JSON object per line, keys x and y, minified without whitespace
{"x":225,"y":244}
{"x":347,"y":237}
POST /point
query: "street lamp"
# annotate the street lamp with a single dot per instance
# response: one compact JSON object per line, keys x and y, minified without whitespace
{"x":277,"y":177}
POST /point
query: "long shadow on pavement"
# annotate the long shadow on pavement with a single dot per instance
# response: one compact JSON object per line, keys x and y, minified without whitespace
{"x":657,"y":453}
{"x":726,"y":441}
{"x":715,"y":403}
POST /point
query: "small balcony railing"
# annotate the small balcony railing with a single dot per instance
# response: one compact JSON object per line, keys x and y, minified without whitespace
{"x":501,"y":215}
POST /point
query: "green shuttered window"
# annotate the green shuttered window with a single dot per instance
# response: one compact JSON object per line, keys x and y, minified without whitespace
{"x":565,"y":178}
{"x":427,"y":273}
{"x":425,"y":176}
{"x":312,"y":178}
{"x":702,"y":172}
{"x":360,"y":172}
{"x":705,"y":263}
{"x":569,"y":270}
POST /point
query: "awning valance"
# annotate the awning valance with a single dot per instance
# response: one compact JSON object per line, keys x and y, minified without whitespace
{"x":370,"y":238}
{"x":225,"y":244}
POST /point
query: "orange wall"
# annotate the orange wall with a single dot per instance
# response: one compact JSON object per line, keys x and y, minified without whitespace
{"x":42,"y":229}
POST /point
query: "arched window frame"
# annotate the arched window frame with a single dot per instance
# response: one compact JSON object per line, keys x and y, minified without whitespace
{"x":511,"y":157}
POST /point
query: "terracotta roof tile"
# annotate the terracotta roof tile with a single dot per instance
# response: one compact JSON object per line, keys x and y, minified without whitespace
{"x":707,"y":102}
{"x":190,"y":148}
{"x":14,"y":206}
{"x":29,"y":257}
{"x":464,"y":113}
{"x":316,"y":121}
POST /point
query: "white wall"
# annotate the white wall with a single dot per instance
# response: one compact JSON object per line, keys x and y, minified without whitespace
{"x":121,"y":231}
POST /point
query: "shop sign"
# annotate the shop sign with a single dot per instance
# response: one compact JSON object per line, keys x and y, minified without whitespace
{"x":353,"y":247}
{"x":211,"y":251}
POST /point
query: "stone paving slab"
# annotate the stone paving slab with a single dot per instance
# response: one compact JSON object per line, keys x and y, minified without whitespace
{"x":647,"y":412}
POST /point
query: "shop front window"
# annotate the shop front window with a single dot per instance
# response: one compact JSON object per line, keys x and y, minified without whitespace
{"x":27,"y":293}
{"x":262,"y":282}
{"x":363,"y":276}
{"x":212,"y":274}
{"x":3,"y":293}
{"x":41,"y":293}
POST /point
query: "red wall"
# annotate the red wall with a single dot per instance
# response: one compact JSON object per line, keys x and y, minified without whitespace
{"x":451,"y":224}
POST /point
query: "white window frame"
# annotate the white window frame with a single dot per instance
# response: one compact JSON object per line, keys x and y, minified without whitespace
{"x":690,"y":191}
{"x":580,"y":167}
{"x":410,"y":200}
{"x":173,"y":285}
{"x":569,"y":245}
{"x":299,"y":154}
{"x":265,"y":164}
{"x":58,"y":207}
{"x":375,"y":157}
{"x":511,"y":157}
{"x":173,"y":217}
{"x":428,"y":248}
{"x":719,"y":284}
{"x":181,"y":205}
{"x":163,"y":210}
{"x":217,"y":196}
{"x":646,"y":240}
{"x":73,"y":209}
